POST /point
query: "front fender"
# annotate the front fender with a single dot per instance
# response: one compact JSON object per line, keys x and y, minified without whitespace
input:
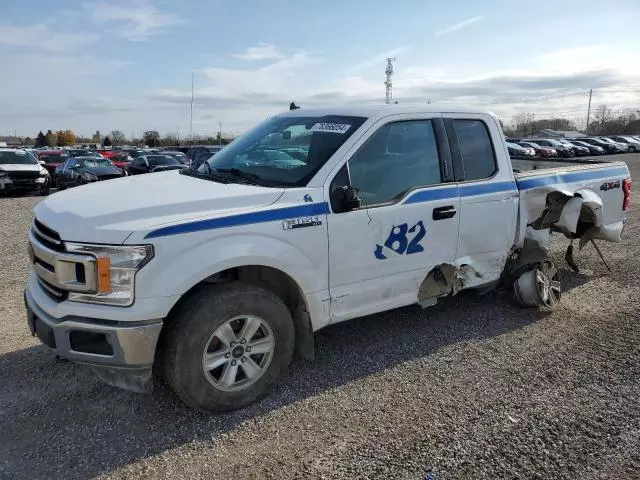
{"x":307,"y":267}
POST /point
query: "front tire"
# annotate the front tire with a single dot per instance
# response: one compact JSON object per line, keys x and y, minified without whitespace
{"x":227,"y":345}
{"x":44,"y":190}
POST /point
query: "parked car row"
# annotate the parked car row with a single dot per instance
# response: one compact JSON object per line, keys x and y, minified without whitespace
{"x":573,"y":147}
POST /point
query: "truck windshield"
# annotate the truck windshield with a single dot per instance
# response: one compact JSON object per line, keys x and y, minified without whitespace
{"x":285,"y":151}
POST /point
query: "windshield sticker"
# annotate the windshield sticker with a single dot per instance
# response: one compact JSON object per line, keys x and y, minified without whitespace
{"x":331,"y":127}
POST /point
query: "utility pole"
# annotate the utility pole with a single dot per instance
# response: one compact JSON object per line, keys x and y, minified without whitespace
{"x":586,"y":130}
{"x":389,"y":73}
{"x":191,"y":112}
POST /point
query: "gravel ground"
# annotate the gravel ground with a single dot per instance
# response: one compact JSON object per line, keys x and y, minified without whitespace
{"x":471,"y":388}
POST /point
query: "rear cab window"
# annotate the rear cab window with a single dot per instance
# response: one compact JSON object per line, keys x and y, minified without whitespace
{"x":476,"y":149}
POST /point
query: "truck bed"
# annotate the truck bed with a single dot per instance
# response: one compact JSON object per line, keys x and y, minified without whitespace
{"x":522,"y":165}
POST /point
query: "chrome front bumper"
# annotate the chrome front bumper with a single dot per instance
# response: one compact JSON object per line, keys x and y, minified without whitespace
{"x":124,"y":351}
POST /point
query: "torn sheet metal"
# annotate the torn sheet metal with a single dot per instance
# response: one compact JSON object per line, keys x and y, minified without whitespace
{"x":467,"y":272}
{"x":568,"y":219}
{"x":565,"y":213}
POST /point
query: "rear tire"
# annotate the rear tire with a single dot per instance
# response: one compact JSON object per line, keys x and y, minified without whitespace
{"x":538,"y":287}
{"x":194,"y":342}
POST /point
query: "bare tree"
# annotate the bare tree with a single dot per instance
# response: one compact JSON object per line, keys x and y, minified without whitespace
{"x":524,"y":123}
{"x":118,"y":138}
{"x":601,"y":116}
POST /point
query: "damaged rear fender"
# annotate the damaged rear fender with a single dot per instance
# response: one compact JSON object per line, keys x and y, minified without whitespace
{"x":572,"y":214}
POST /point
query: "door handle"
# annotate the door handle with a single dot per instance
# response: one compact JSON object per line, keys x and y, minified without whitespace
{"x":442,"y":213}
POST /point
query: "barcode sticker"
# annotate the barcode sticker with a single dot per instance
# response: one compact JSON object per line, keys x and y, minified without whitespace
{"x":331,"y":127}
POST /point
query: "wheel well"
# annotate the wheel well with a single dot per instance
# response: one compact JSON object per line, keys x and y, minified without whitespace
{"x":273,"y":280}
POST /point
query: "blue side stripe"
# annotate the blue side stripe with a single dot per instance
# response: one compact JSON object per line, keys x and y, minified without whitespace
{"x":471,"y":189}
{"x":464,"y":190}
{"x":242,"y":219}
{"x":432,"y":194}
{"x":529,"y":183}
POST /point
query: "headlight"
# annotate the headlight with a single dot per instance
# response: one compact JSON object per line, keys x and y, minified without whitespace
{"x":116,"y":268}
{"x":89,"y":176}
{"x":43,"y":172}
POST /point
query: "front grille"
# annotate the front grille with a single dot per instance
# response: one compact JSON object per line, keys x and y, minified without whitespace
{"x":47,"y":236}
{"x":52,"y":292}
{"x":25,"y":175}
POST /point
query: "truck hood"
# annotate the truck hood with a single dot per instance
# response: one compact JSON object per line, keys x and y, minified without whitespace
{"x":108,"y":212}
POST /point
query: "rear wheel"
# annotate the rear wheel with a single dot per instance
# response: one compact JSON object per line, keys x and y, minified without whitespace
{"x":227,"y":345}
{"x":539,"y":287}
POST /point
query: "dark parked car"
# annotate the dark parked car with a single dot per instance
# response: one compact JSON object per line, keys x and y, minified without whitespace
{"x":563,"y":151}
{"x":139,"y":152}
{"x":632,"y":144}
{"x":200,"y":153}
{"x":82,"y":170}
{"x":154,"y":163}
{"x":579,"y":150}
{"x":52,"y":159}
{"x":82,"y":152}
{"x":608,"y":147}
{"x":181,"y":157}
{"x":593,"y":149}
{"x":622,"y":146}
{"x":176,"y":148}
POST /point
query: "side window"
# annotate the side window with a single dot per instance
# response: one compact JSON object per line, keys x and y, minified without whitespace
{"x":71,"y":162}
{"x":476,"y":149}
{"x":397,"y":158}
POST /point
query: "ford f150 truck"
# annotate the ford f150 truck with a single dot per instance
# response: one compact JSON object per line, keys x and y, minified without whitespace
{"x":216,"y":276}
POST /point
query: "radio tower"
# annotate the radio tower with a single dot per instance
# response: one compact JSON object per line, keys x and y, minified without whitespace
{"x":389,"y":72}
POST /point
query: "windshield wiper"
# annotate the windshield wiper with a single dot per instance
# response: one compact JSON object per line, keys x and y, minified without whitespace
{"x":236,"y":172}
{"x":205,"y":176}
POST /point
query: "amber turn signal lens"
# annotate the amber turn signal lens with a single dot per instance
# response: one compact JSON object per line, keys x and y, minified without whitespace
{"x":104,"y":274}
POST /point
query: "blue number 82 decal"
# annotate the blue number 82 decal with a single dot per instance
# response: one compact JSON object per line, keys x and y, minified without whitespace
{"x":399,"y":243}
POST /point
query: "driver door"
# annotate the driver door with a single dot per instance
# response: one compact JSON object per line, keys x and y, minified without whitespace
{"x":407,"y":222}
{"x":66,"y":176}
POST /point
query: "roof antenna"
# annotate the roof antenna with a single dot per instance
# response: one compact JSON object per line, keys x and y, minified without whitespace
{"x":293,"y":106}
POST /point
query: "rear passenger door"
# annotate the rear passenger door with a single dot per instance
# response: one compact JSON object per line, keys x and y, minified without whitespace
{"x":488,"y":196}
{"x":407,"y":223}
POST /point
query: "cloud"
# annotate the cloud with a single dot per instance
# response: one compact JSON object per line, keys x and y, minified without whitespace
{"x":263,"y":51}
{"x":458,"y":26}
{"x":135,"y":20}
{"x":380,"y":59}
{"x":281,"y":76}
{"x":42,"y":37}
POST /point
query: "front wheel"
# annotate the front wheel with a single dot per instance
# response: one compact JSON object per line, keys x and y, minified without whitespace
{"x":227,"y":345}
{"x":43,"y":191}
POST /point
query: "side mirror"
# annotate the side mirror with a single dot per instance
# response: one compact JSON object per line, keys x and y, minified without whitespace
{"x":41,"y":162}
{"x":347,"y":198}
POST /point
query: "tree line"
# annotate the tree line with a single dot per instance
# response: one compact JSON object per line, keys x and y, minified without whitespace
{"x":116,"y":138}
{"x":603,"y":121}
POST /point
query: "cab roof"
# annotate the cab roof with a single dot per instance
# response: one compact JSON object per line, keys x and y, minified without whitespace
{"x":382,"y":110}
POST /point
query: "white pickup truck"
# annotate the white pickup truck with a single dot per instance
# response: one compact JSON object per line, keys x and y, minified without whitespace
{"x":216,"y":276}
